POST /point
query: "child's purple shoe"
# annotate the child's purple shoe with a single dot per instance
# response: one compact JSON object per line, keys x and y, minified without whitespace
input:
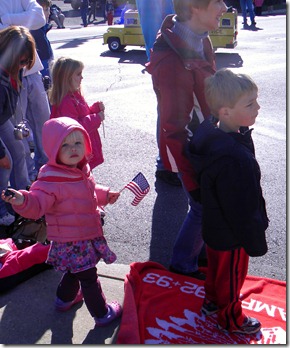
{"x":114,"y":311}
{"x":65,"y":306}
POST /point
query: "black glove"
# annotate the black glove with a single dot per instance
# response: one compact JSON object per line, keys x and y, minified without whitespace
{"x":195,"y":195}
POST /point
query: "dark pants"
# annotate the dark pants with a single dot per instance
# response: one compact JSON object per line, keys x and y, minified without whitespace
{"x":84,"y":12}
{"x":225,"y":277}
{"x":91,"y":288}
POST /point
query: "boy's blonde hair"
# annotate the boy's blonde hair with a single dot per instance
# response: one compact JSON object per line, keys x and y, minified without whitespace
{"x":62,"y":72}
{"x":225,"y":88}
{"x":183,"y":8}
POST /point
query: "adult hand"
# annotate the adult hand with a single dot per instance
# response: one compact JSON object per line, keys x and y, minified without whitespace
{"x":5,"y":162}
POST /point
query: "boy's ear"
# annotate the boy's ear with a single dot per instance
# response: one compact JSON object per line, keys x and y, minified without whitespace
{"x":224,"y":112}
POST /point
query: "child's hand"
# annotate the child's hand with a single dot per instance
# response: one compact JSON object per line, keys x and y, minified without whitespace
{"x":102,"y":115}
{"x":97,"y":107}
{"x":102,"y":106}
{"x":113,"y":196}
{"x":12,"y":196}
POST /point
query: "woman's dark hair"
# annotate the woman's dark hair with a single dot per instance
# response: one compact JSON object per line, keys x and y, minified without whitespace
{"x":16,"y":44}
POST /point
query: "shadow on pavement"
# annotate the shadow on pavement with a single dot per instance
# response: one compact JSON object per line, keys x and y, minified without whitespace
{"x":130,"y":56}
{"x":169,"y":211}
{"x":228,"y":60}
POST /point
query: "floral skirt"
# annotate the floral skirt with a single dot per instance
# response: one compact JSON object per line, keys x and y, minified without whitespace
{"x":80,"y":255}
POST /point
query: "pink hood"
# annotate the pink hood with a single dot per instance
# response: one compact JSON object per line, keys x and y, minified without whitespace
{"x":53,"y":133}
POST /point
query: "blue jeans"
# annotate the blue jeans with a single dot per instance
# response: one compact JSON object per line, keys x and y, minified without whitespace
{"x":15,"y":149}
{"x":189,"y":242}
{"x":4,"y":178}
{"x":34,"y":106}
{"x":159,"y":163}
{"x":247,"y":4}
{"x":84,"y":11}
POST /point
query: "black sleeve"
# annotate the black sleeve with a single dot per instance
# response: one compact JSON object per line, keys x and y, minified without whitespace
{"x":240,"y":196}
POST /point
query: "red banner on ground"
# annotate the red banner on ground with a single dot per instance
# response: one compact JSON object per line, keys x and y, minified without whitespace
{"x":161,"y":307}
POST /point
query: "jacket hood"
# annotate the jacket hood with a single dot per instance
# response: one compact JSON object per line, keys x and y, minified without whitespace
{"x":209,"y":144}
{"x":54,"y":132}
{"x":167,"y":40}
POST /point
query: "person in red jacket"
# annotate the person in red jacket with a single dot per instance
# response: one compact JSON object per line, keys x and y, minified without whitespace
{"x":67,"y":99}
{"x":66,"y":193}
{"x":181,"y":58}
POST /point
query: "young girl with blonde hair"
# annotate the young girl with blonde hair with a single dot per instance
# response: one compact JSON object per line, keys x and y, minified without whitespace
{"x":66,"y":193}
{"x":67,"y":99}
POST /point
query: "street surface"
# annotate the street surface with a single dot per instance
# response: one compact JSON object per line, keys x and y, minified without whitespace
{"x":148,"y":230}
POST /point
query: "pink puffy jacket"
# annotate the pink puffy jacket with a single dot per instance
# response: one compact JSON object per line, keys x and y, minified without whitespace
{"x":68,"y":197}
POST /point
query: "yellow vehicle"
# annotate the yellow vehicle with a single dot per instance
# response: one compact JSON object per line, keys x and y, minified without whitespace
{"x":118,"y":37}
{"x":226,"y":35}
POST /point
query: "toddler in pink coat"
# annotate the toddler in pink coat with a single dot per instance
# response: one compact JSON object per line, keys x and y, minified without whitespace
{"x":66,"y":193}
{"x":66,"y":99}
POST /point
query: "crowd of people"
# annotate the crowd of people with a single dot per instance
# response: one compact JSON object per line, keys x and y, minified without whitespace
{"x":204,"y":137}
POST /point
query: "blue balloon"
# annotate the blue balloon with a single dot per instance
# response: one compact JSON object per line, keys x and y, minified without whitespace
{"x":152,"y":14}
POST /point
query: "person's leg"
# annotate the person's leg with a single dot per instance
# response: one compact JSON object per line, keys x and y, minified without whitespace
{"x":250,"y":6}
{"x":94,"y":9}
{"x":61,"y":18}
{"x":55,"y":18}
{"x":68,"y":287}
{"x":92,"y":291}
{"x":5,"y":217}
{"x":84,"y":13}
{"x":231,"y":271}
{"x":38,"y":112}
{"x":244,"y":11}
{"x":189,"y":242}
{"x":32,"y":172}
{"x":110,"y":18}
{"x":19,"y":178}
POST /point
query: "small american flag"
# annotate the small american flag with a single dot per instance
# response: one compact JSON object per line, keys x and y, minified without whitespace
{"x":139,"y":186}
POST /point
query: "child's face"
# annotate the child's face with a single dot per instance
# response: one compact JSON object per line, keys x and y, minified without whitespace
{"x":72,"y":150}
{"x":77,"y":79}
{"x":244,"y":113}
{"x":208,"y":18}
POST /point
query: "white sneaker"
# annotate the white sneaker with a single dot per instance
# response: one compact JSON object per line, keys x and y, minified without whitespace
{"x":7,"y":219}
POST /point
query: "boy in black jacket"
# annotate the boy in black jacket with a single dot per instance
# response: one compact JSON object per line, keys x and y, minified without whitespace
{"x":234,"y":214}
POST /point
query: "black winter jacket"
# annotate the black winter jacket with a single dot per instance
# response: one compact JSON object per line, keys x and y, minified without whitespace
{"x":234,"y":212}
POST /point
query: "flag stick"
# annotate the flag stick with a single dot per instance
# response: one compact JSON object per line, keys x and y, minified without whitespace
{"x":103,"y":128}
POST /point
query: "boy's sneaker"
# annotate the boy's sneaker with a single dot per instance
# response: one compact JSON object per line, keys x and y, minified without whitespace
{"x":209,"y":308}
{"x":114,"y":311}
{"x":7,"y":219}
{"x":65,"y":306}
{"x":250,"y":326}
